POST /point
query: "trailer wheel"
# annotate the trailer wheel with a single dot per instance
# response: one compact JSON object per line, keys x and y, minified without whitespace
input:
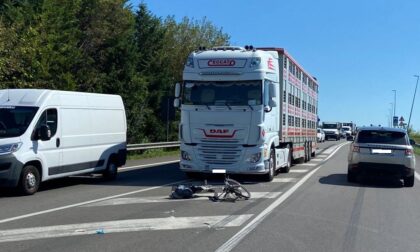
{"x":271,"y":167}
{"x":29,"y":180}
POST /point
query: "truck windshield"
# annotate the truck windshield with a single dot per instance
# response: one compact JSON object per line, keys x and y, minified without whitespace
{"x":15,"y":120}
{"x":329,"y":126}
{"x":230,"y":93}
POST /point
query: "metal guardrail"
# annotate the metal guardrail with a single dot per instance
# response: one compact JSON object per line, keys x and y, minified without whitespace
{"x":148,"y":146}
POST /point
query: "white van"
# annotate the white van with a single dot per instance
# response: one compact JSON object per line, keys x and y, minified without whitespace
{"x":47,"y":134}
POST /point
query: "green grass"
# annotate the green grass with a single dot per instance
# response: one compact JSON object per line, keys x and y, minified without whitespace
{"x":135,"y":155}
{"x":416,"y":137}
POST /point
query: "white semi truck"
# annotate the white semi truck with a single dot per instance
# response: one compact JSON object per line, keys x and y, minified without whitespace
{"x":245,"y":111}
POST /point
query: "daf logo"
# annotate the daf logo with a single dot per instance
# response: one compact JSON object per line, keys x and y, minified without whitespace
{"x":219,"y":131}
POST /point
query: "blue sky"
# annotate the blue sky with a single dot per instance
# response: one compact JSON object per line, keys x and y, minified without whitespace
{"x":359,"y":50}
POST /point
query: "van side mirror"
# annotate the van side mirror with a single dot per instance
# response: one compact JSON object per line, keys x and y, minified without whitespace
{"x":44,"y":133}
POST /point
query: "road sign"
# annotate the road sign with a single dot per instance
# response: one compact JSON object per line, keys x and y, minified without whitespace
{"x":401,"y":119}
{"x":395,"y":121}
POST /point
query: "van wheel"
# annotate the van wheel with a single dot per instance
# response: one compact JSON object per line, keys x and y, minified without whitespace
{"x":29,"y":180}
{"x":271,"y":167}
{"x":111,"y":171}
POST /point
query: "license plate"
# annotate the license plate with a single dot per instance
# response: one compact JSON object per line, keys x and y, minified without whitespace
{"x":222,"y":171}
{"x":381,"y":151}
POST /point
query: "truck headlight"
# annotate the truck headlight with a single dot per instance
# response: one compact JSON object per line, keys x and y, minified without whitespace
{"x":185,"y":156}
{"x":9,"y":148}
{"x":254,"y":158}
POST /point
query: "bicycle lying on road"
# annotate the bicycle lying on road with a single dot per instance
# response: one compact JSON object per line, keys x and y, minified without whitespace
{"x":231,"y":191}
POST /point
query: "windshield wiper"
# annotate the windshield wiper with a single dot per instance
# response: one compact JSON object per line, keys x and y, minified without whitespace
{"x":227,"y":104}
{"x":251,"y":107}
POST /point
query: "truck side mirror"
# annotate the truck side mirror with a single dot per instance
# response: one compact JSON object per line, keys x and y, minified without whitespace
{"x":177,"y":90}
{"x":176,"y":102}
{"x":272,"y":103}
{"x":44,"y":133}
{"x":412,"y":142}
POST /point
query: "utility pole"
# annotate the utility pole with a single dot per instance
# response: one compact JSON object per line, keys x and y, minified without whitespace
{"x":395,"y":102}
{"x":412,"y":104}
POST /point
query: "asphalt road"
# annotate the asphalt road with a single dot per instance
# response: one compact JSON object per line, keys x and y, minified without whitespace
{"x":312,"y":208}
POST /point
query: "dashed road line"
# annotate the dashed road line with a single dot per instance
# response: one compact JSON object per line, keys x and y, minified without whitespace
{"x":298,"y":171}
{"x":284,"y":180}
{"x":308,"y":164}
{"x":317,"y":159}
{"x":135,"y":225}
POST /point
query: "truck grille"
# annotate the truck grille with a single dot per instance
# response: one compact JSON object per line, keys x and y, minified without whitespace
{"x":219,"y":152}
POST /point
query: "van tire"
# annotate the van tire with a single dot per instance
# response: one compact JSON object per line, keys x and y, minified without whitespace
{"x":29,"y":180}
{"x":111,"y":171}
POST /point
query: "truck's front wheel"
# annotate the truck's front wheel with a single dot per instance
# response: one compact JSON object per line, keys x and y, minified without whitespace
{"x":271,"y":167}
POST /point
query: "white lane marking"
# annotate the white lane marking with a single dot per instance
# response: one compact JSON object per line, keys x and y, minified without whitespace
{"x":417,"y":175}
{"x":284,"y":180}
{"x":146,"y":165}
{"x":88,"y":202}
{"x":308,"y":164}
{"x":169,"y":223}
{"x":317,"y":159}
{"x":201,"y":196}
{"x":298,"y":171}
{"x":236,"y":239}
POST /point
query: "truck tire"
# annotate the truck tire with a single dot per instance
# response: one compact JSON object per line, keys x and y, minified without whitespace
{"x":306,"y":152}
{"x":409,"y":181}
{"x":111,"y":171}
{"x":313,"y":154}
{"x":29,"y":180}
{"x":337,"y":138}
{"x":271,"y":167}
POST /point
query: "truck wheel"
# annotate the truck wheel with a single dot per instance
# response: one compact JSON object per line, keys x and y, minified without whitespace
{"x":313,"y":154}
{"x":289,"y":162}
{"x":409,"y":181}
{"x":29,"y":180}
{"x":306,"y":152}
{"x":337,"y":138}
{"x":271,"y":167}
{"x":111,"y":171}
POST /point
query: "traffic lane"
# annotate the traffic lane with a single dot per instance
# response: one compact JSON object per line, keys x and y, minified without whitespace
{"x":209,"y":236}
{"x":330,"y":214}
{"x":73,"y":190}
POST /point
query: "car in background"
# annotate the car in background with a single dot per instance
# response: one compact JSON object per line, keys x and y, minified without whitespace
{"x":320,"y":135}
{"x":380,"y":150}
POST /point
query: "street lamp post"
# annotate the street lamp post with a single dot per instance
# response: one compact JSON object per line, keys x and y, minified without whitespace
{"x":395,"y":105}
{"x":412,"y":104}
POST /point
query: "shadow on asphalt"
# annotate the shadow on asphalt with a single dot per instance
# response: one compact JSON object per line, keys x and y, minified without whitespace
{"x":374,"y":182}
{"x":144,"y":177}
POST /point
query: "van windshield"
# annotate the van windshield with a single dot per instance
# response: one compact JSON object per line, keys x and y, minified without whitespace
{"x":15,"y":120}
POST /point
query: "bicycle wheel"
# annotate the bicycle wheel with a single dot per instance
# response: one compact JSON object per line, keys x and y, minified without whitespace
{"x":237,"y":189}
